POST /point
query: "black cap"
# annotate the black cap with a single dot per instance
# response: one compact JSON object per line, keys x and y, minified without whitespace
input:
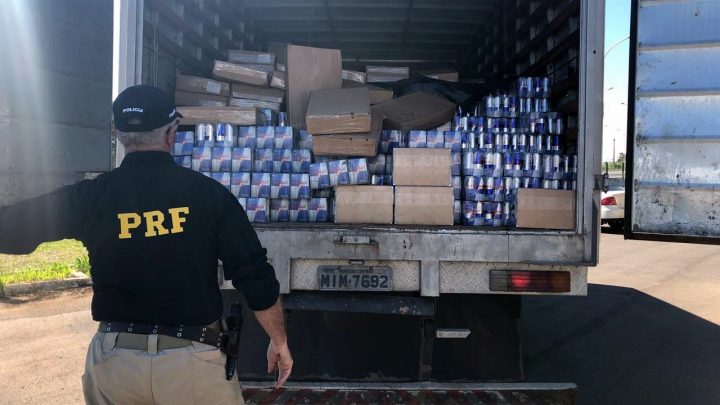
{"x":143,"y":108}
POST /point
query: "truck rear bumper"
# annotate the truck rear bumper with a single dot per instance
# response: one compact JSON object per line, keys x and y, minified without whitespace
{"x":415,"y":393}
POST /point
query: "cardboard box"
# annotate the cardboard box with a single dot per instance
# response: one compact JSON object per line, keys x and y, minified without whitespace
{"x":278,"y":80}
{"x":421,"y":167}
{"x":242,"y":74}
{"x":546,"y":209}
{"x":448,"y":75}
{"x":230,"y":115}
{"x":376,"y":94}
{"x":258,"y":66}
{"x":387,"y":73}
{"x":249,"y":103}
{"x":417,"y":111}
{"x":338,"y":111}
{"x":309,"y":69}
{"x":185,"y":98}
{"x":364,"y":205}
{"x":424,"y":205}
{"x":202,"y":85}
{"x":243,"y":56}
{"x":353,"y":75}
{"x":246,"y":91}
{"x":360,"y":144}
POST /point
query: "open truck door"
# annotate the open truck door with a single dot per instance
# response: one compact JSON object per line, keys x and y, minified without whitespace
{"x":55,"y":103}
{"x":673,"y":191}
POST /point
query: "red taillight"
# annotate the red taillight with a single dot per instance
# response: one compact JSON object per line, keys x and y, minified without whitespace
{"x":530,"y":281}
{"x":608,"y":201}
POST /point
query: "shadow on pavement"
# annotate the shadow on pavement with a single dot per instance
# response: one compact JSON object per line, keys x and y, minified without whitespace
{"x":607,"y":229}
{"x":621,"y":346}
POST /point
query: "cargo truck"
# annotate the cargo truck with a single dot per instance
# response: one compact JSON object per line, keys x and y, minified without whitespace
{"x":448,"y":318}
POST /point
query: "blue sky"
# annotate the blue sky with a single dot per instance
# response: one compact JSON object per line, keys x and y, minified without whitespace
{"x":617,"y":28}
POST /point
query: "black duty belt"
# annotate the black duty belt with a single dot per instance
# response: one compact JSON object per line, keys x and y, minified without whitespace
{"x":211,"y":334}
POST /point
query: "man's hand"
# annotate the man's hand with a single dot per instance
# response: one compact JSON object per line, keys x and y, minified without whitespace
{"x":279,"y":358}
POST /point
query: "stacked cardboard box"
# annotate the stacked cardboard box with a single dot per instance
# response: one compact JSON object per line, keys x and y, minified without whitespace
{"x":423,"y":192}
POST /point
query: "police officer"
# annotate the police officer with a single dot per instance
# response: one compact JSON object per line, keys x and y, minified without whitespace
{"x":154,"y":232}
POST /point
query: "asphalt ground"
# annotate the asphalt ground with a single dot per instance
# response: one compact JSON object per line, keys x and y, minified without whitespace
{"x":647,"y":333}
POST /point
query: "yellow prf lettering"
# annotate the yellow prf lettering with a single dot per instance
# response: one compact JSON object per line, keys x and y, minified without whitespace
{"x":154,"y":220}
{"x":128,"y":221}
{"x":177,"y":220}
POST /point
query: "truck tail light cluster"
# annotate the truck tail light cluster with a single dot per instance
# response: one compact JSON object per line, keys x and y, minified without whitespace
{"x":530,"y":281}
{"x":608,"y":201}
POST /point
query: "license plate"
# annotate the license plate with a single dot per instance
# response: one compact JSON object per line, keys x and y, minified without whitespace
{"x":354,"y":278}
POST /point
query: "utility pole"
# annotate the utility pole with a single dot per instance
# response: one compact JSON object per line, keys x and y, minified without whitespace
{"x":614,"y":150}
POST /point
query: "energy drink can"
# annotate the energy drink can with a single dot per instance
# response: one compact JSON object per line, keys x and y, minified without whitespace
{"x":388,"y":165}
{"x":479,"y":123}
{"x":282,"y":119}
{"x":457,"y":212}
{"x":304,"y":139}
{"x":204,"y":133}
{"x":540,"y":126}
{"x":469,"y":140}
{"x":508,"y":185}
{"x":456,"y":163}
{"x":555,"y":143}
{"x":508,"y":162}
{"x":538,"y":87}
{"x":547,"y":143}
{"x":547,"y":184}
{"x":470,"y":187}
{"x":498,"y":186}
{"x":488,"y":141}
{"x":505,"y":141}
{"x":525,"y":106}
{"x":555,"y":163}
{"x":526,"y":182}
{"x":536,"y":182}
{"x":488,"y":187}
{"x":539,"y":144}
{"x":488,"y":211}
{"x":517,"y":161}
{"x":512,"y":124}
{"x":545,"y":84}
{"x":572,"y":163}
{"x":469,"y":212}
{"x":480,"y":162}
{"x":457,"y":186}
{"x":497,"y":160}
{"x":548,"y":163}
{"x":388,"y":180}
{"x":376,"y":180}
{"x":531,"y":143}
{"x":225,"y":135}
{"x":468,"y":162}
{"x":523,"y":87}
{"x":527,"y":161}
{"x":507,"y":214}
{"x":376,"y":165}
{"x":559,"y":126}
{"x":536,"y":162}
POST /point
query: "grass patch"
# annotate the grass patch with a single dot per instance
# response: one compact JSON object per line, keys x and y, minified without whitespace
{"x":50,"y":261}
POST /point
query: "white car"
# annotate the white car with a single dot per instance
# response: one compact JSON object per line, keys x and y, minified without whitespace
{"x":612,"y":211}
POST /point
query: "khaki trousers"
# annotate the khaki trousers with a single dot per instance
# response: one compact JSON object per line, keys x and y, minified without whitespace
{"x":186,"y":375}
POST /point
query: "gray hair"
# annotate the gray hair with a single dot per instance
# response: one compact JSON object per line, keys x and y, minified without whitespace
{"x":149,"y":138}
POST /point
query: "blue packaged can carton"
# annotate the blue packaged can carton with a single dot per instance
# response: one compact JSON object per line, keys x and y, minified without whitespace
{"x":301,"y":159}
{"x":202,"y":159}
{"x":457,"y":186}
{"x":221,"y":159}
{"x":417,"y":139}
{"x":256,"y":209}
{"x":242,"y":160}
{"x":222,"y":178}
{"x":299,"y":186}
{"x":266,"y":116}
{"x":435,"y":139}
{"x":299,"y":210}
{"x":456,"y":163}
{"x":376,"y":165}
{"x":184,"y":142}
{"x":240,"y":185}
{"x":453,"y":140}
{"x":388,"y":164}
{"x":263,"y":161}
{"x":319,"y":176}
{"x":339,"y":175}
{"x":280,"y":185}
{"x":389,"y":140}
{"x":243,"y":203}
{"x":304,"y":139}
{"x":246,"y":137}
{"x":207,"y":174}
{"x":184,"y":161}
{"x":265,"y":137}
{"x":284,"y":138}
{"x":280,"y":210}
{"x":358,"y":171}
{"x":260,"y":187}
{"x":225,"y":135}
{"x":282,"y":161}
{"x":318,"y":210}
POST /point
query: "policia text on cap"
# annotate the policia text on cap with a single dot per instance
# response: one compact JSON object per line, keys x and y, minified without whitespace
{"x":154,"y":232}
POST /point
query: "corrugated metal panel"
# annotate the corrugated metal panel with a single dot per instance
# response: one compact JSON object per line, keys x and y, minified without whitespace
{"x":676,"y":165}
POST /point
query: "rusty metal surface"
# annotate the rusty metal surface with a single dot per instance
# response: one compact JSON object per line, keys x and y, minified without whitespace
{"x":546,"y":394}
{"x":676,"y":181}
